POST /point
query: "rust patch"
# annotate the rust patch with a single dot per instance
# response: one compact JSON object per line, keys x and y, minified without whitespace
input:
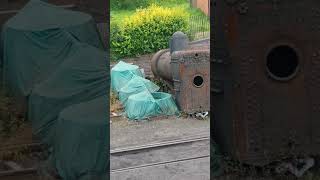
{"x":189,"y":75}
{"x":270,"y":105}
{"x":232,"y":27}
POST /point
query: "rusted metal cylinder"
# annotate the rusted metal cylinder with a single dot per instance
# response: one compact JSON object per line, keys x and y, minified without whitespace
{"x":160,"y":64}
{"x":161,"y":61}
{"x":185,"y":69}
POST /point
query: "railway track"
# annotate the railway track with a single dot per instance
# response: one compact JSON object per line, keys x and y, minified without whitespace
{"x":159,"y":163}
{"x":14,"y":170}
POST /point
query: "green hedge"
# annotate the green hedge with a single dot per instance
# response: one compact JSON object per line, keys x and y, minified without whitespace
{"x":127,"y":4}
{"x":147,"y":30}
{"x":133,"y":4}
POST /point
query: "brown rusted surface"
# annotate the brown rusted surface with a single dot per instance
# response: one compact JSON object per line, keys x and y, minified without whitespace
{"x":260,"y":114}
{"x":182,"y":70}
{"x":191,"y":79}
{"x":160,"y":64}
{"x":161,"y":61}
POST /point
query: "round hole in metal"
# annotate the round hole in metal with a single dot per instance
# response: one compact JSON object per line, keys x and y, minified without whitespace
{"x":198,"y":81}
{"x":282,"y":62}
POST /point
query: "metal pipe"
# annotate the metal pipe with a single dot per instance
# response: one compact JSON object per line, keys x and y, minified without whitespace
{"x":160,"y":64}
{"x":161,"y":61}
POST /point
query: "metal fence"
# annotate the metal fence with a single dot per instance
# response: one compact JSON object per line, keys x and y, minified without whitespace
{"x":199,"y":27}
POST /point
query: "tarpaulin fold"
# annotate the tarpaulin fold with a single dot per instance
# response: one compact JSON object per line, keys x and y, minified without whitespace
{"x":122,"y":73}
{"x":136,"y":85}
{"x":81,"y":77}
{"x":53,"y":60}
{"x":146,"y":104}
{"x":138,"y":95}
{"x":81,"y":130}
{"x":38,"y":39}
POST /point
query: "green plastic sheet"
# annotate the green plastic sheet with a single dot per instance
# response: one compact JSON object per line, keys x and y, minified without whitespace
{"x":82,"y":141}
{"x":136,"y":85}
{"x":81,"y":77}
{"x":138,"y":95}
{"x":145,"y":104}
{"x":38,"y":39}
{"x":122,"y":73}
{"x":53,"y":59}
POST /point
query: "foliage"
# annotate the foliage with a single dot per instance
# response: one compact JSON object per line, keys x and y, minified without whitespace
{"x":147,"y":30}
{"x":199,"y":27}
{"x":10,"y":118}
{"x":163,"y":86}
{"x":114,"y":37}
{"x":115,"y":105}
{"x":134,"y":4}
{"x":127,"y":4}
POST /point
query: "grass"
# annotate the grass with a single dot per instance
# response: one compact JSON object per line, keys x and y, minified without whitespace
{"x":118,"y":15}
{"x":199,"y":27}
{"x":10,"y":118}
{"x":199,"y":22}
{"x":13,"y":129}
{"x":115,"y":104}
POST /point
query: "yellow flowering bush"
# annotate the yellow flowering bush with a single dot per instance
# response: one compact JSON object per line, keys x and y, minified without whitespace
{"x":148,"y":30}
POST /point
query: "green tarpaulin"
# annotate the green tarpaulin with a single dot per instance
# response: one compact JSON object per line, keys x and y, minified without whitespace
{"x":145,"y":104}
{"x":138,"y":95}
{"x":81,"y":77}
{"x":82,"y":141}
{"x":37,"y":39}
{"x":136,"y":85}
{"x":122,"y":73}
{"x":53,"y":59}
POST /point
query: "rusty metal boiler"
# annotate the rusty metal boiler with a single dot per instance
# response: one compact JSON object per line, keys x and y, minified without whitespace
{"x":266,"y":78}
{"x":186,"y":69}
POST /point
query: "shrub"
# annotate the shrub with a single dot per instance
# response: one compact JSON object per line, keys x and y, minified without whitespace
{"x":114,"y":37}
{"x":147,"y":30}
{"x":133,"y":4}
{"x":128,"y":4}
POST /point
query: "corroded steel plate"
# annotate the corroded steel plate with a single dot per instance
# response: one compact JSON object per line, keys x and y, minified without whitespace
{"x":265,"y":78}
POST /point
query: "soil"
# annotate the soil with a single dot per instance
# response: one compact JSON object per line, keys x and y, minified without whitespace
{"x":142,"y":61}
{"x":22,"y":136}
{"x":126,"y":133}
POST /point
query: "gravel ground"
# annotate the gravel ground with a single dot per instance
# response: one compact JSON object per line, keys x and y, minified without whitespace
{"x":126,"y":133}
{"x":158,"y":155}
{"x":186,"y":170}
